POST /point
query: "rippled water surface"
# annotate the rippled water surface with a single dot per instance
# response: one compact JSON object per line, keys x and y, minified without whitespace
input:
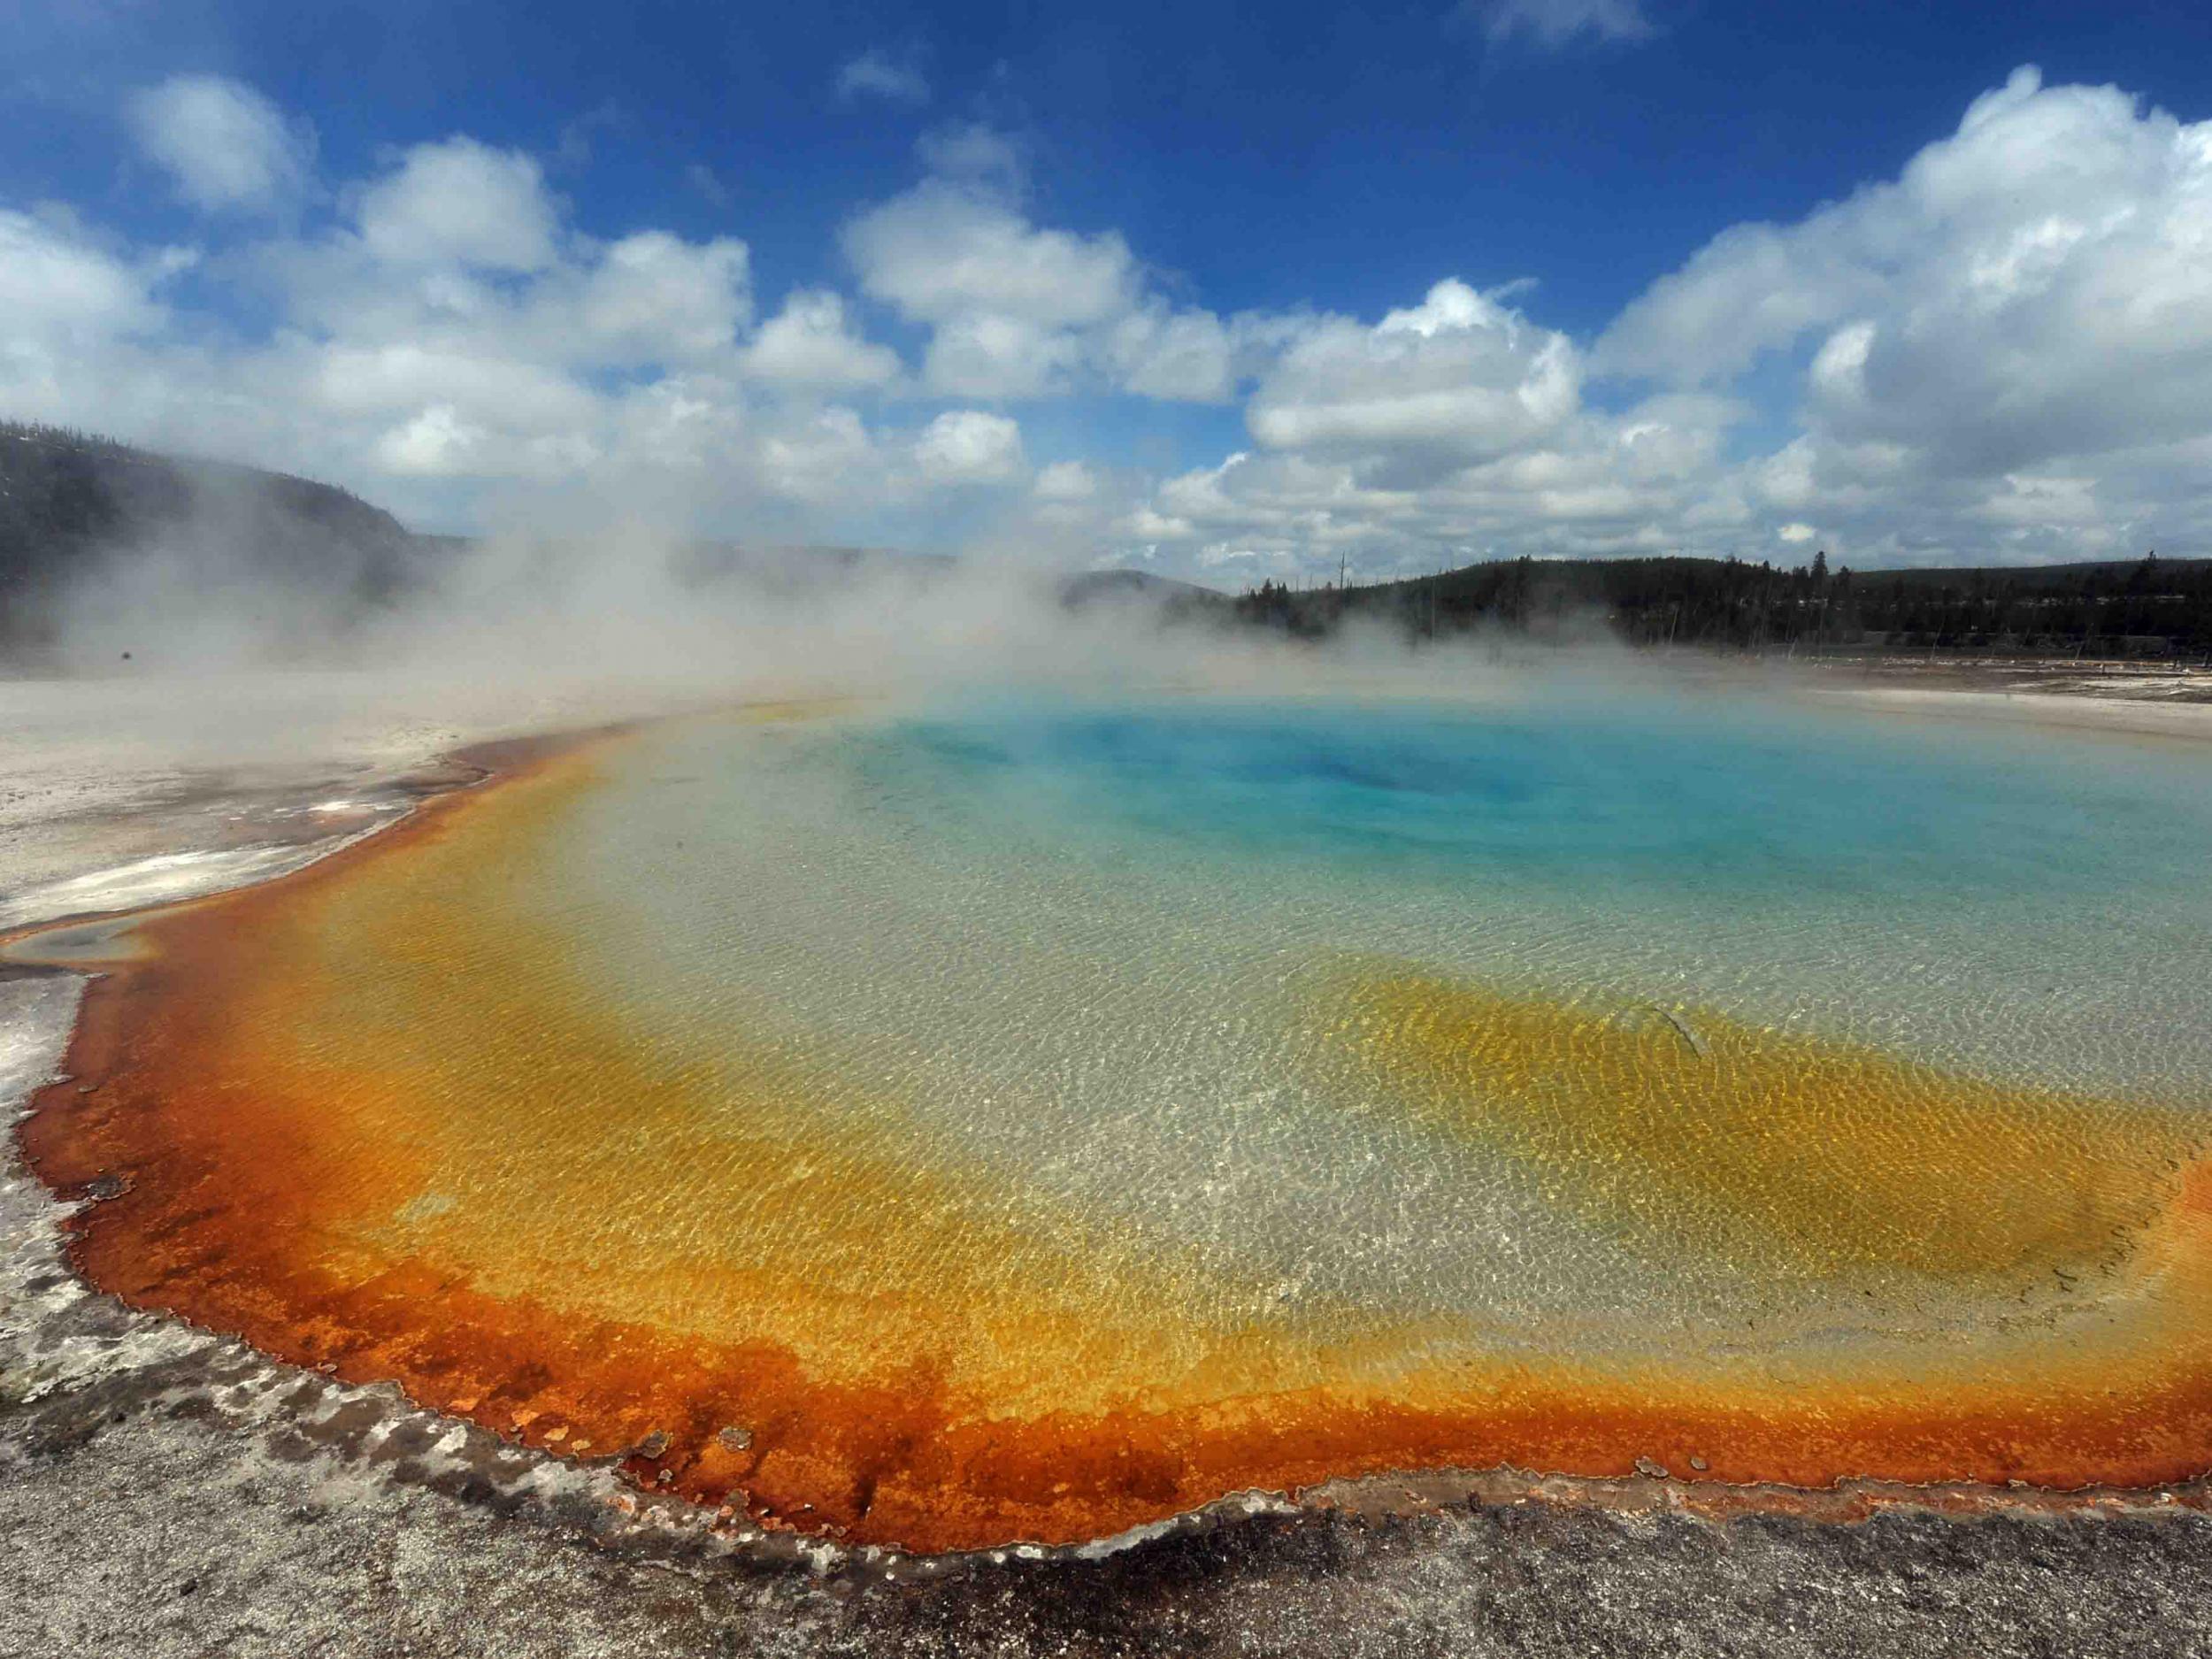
{"x":1115,"y":955}
{"x":1388,"y":1080}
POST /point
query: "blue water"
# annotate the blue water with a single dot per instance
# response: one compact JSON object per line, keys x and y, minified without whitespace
{"x":1665,"y":798}
{"x":1097,"y":949}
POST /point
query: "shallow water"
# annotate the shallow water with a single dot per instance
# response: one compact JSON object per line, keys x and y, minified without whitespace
{"x":1158,"y":1075}
{"x":1106,"y":951}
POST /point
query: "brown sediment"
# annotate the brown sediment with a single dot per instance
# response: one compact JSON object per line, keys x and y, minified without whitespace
{"x":1845,"y":1503}
{"x":515,"y":1214}
{"x":1812,"y":1156}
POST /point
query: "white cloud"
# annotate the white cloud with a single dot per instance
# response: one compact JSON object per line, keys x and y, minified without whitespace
{"x":441,"y":371}
{"x":519,"y":392}
{"x":2031,"y":297}
{"x":2004,"y":352}
{"x":1009,"y":303}
{"x":943,"y":250}
{"x":973,"y":151}
{"x":461,"y":203}
{"x":1186,"y":356}
{"x":991,"y":354}
{"x":1020,"y":311}
{"x":811,"y":342}
{"x":1065,"y":481}
{"x":708,"y":183}
{"x":653,"y":297}
{"x":1552,"y":24}
{"x":436,"y":443}
{"x":877,"y":74}
{"x":453,"y":337}
{"x":225,"y":146}
{"x":1459,"y":377}
{"x":1398,"y":489}
{"x":2036,"y":283}
{"x":826,"y":457}
{"x":75,"y":315}
{"x":968,"y":446}
{"x":59,"y":289}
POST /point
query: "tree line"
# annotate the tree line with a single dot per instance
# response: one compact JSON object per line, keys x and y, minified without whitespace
{"x":2148,"y":607}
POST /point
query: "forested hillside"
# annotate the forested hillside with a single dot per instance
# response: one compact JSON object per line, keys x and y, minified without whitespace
{"x":2147,"y":607}
{"x":67,"y":500}
{"x":69,"y":504}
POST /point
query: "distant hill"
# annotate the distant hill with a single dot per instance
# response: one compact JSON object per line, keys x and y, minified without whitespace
{"x":67,"y":499}
{"x":2085,"y":576}
{"x":284,"y":552}
{"x":70,"y":501}
{"x":2147,"y":607}
{"x":795,"y":572}
{"x":1175,"y":599}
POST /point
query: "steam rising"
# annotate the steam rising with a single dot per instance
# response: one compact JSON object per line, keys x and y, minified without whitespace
{"x":631,"y":617}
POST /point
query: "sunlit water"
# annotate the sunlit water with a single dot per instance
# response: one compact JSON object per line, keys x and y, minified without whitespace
{"x":1179,"y":1055}
{"x":1110,"y":955}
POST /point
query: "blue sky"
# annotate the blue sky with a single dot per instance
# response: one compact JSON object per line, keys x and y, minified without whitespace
{"x":1231,"y":292}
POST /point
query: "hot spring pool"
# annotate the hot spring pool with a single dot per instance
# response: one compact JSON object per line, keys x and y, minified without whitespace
{"x":1026,"y":1118}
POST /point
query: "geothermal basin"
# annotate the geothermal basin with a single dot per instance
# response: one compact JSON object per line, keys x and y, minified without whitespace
{"x":1028,"y":1119}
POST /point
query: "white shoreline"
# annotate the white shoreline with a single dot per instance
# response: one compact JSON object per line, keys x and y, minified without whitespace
{"x":2067,"y":711}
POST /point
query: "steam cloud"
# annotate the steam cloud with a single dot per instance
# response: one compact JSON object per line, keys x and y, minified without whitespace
{"x":632,"y":616}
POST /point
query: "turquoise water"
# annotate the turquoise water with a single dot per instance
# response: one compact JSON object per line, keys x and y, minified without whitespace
{"x":2033,"y":906}
{"x":1677,"y":801}
{"x":1086,"y":946}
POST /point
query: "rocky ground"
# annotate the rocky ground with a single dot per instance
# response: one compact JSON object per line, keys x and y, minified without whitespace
{"x":191,"y":1501}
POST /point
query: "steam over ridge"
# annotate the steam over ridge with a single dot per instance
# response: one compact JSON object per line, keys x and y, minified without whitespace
{"x":114,"y":558}
{"x":118,"y":560}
